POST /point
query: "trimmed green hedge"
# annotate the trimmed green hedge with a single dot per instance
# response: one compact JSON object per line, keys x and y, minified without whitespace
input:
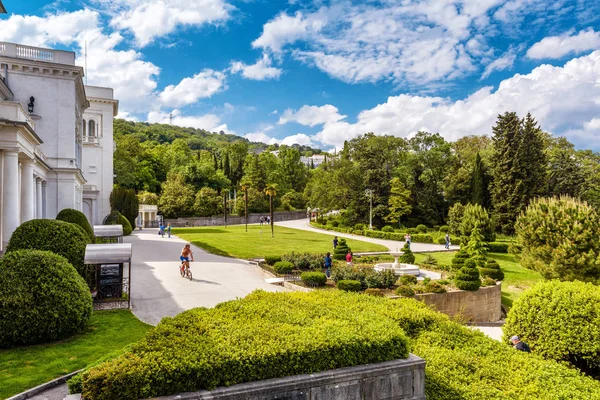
{"x":62,"y":238}
{"x":116,"y":218}
{"x":559,"y":321}
{"x":78,"y":218}
{"x":492,"y":270}
{"x":314,"y":278}
{"x":405,"y":291}
{"x":349,"y":285}
{"x":497,"y":247}
{"x":467,"y":278}
{"x":303,"y":332}
{"x":42,"y":298}
{"x":283,"y":267}
{"x":265,"y":335}
{"x":271,"y":260}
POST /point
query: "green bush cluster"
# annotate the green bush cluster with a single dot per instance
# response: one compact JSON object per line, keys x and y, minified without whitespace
{"x":375,"y":292}
{"x":407,"y":280}
{"x":77,"y":218}
{"x":42,"y":298}
{"x":359,"y":227}
{"x":349,"y":285}
{"x":314,"y":279}
{"x":379,"y":279}
{"x":304,"y":261}
{"x":467,"y":278}
{"x":339,"y":253}
{"x":444,"y":228}
{"x":366,"y":275}
{"x":476,"y":216}
{"x":268,"y":335}
{"x":263,"y":336}
{"x":283,"y":267}
{"x":497,"y":247}
{"x":492,"y":270}
{"x":488,"y":282}
{"x":560,"y":238}
{"x":421,"y":228}
{"x":560,"y":321}
{"x":116,"y":218}
{"x":407,"y":257}
{"x":405,"y":291}
{"x":434,"y":287}
{"x":271,"y":260}
{"x":430,"y":261}
{"x":62,"y":238}
{"x":387,"y":228}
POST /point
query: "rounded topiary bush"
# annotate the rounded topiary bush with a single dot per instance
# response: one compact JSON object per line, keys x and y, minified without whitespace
{"x":559,"y":321}
{"x":421,"y":228}
{"x":492,"y":270}
{"x":405,"y":291}
{"x":78,"y":218}
{"x":407,"y":257}
{"x":375,"y":292}
{"x":283,"y":267}
{"x":314,"y":278}
{"x":127,"y":229}
{"x":435,"y":287}
{"x":467,"y":278}
{"x":444,"y":228}
{"x":339,"y":253}
{"x":488,"y":282}
{"x":387,"y":228}
{"x":116,"y":218}
{"x":349,"y":285}
{"x":271,"y":260}
{"x":62,"y":238}
{"x":42,"y":298}
{"x":459,"y":260}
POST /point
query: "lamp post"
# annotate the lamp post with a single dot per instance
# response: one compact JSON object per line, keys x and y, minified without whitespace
{"x":369,"y":193}
{"x":271,"y":191}
{"x":245,"y":189}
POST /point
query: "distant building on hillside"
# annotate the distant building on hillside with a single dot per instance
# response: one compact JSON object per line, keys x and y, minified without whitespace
{"x":315,"y":160}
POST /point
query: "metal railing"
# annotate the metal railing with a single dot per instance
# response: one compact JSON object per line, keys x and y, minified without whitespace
{"x":34,"y":53}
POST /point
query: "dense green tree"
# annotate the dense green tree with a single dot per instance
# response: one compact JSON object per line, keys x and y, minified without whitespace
{"x":455,"y":216}
{"x":479,"y":183}
{"x":475,"y":216}
{"x":532,"y":160}
{"x":147,"y":198}
{"x":293,"y":200}
{"x":564,"y":170}
{"x":398,"y":202}
{"x":293,"y":169}
{"x":126,"y":202}
{"x":208,"y":203}
{"x":177,"y":197}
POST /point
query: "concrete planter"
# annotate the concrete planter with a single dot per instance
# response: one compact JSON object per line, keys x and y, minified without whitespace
{"x":391,"y":380}
{"x":483,"y":305}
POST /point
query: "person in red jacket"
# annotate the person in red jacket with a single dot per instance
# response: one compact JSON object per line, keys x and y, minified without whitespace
{"x":349,"y":257}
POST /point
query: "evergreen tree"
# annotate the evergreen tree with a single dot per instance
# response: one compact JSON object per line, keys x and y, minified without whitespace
{"x":479,"y":183}
{"x":226,"y":166}
{"x":532,"y":161}
{"x":398,"y":202}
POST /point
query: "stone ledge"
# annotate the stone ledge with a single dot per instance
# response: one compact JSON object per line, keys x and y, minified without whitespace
{"x":390,"y":380}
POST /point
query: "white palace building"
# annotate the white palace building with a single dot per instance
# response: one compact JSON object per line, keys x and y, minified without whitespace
{"x":56,"y":138}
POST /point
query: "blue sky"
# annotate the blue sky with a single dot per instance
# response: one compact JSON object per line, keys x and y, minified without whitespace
{"x":320,"y":72}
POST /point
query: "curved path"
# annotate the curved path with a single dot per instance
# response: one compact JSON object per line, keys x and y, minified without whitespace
{"x":158,"y":290}
{"x":392,"y":245}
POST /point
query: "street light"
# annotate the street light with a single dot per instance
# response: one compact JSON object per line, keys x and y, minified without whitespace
{"x":245,"y":187}
{"x":369,"y":192}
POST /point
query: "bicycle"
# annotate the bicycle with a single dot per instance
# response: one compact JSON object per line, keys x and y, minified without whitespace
{"x":185,"y":271}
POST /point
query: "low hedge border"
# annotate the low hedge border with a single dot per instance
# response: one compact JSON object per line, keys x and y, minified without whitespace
{"x":398,"y":236}
{"x":265,"y":335}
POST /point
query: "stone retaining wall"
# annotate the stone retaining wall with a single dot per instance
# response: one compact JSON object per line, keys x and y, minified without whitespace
{"x":217,"y":220}
{"x":391,"y":380}
{"x":483,"y":305}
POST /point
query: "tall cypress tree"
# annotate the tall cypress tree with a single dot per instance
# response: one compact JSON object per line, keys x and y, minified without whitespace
{"x":479,"y":184}
{"x":507,"y":185}
{"x":532,"y":161}
{"x":226,"y":166}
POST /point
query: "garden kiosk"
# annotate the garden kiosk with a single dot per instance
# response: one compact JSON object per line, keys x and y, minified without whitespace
{"x":109,"y":233}
{"x":108,"y":268}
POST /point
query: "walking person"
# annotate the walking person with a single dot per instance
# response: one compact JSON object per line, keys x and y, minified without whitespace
{"x":349,"y":258}
{"x":409,"y":240}
{"x":447,"y":241}
{"x":261,"y":220}
{"x":328,"y":263}
{"x":169,"y":230}
{"x":335,"y":242}
{"x":161,"y":230}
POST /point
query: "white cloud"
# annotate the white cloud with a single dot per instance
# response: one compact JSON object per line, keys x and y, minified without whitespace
{"x":565,"y":100}
{"x":260,"y":71}
{"x":133,"y":79}
{"x":311,"y":115}
{"x":506,"y":61}
{"x":285,"y":29}
{"x":260,"y":137}
{"x":148,"y":20}
{"x":299,"y":138}
{"x":560,"y":46}
{"x":202,"y":85}
{"x":209,"y":122}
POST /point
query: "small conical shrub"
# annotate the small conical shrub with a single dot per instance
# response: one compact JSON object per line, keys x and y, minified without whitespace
{"x":459,"y":260}
{"x":467,"y":278}
{"x":341,"y":250}
{"x":407,"y":257}
{"x":492,"y":270}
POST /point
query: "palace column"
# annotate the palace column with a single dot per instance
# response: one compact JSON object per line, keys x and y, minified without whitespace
{"x":44,"y":188}
{"x":10,"y":213}
{"x":38,"y":198}
{"x":27,"y":191}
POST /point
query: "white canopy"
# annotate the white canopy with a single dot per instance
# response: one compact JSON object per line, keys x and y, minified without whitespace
{"x":111,"y":253}
{"x":108,"y":230}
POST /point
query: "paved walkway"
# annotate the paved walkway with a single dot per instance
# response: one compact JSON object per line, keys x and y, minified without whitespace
{"x":392,"y":245}
{"x":158,"y":290}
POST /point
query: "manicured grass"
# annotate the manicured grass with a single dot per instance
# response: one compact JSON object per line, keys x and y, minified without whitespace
{"x":234,"y":241}
{"x":516,"y":278}
{"x":22,"y":368}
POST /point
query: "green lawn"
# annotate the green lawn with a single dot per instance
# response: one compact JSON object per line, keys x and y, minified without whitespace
{"x":234,"y":241}
{"x":22,"y":368}
{"x":516,"y":278}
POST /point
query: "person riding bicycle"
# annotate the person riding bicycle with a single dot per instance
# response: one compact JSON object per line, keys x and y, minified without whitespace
{"x":186,"y":253}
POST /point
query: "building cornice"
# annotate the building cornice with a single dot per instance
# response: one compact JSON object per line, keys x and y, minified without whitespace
{"x":33,"y":136}
{"x":114,"y":102}
{"x":5,"y":92}
{"x":44,"y":68}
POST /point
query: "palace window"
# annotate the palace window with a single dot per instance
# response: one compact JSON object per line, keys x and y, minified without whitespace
{"x":92,"y":130}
